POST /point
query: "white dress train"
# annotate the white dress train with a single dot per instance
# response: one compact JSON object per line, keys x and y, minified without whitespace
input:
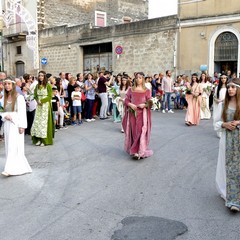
{"x":221,"y":167}
{"x":16,"y":161}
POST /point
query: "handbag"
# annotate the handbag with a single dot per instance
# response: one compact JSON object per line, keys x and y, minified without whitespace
{"x":83,"y":97}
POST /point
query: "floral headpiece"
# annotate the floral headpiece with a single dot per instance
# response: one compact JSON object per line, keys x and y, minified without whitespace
{"x":235,"y":82}
{"x":9,"y":80}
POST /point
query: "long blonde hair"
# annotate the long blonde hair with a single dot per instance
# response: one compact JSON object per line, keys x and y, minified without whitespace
{"x":13,"y":94}
{"x":227,"y":100}
{"x":143,"y":81}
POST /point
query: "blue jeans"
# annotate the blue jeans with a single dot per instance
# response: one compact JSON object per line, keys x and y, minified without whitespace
{"x":90,"y":104}
{"x":167,"y":98}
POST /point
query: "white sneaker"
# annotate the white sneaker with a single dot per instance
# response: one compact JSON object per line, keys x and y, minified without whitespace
{"x":170,"y":111}
{"x":92,"y":120}
{"x":88,"y":120}
{"x":163,"y":111}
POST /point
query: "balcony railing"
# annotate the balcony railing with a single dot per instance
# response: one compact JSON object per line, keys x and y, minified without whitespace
{"x":15,"y":29}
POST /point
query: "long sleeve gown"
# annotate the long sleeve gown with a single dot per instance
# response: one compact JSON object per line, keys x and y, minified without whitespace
{"x":137,"y":126}
{"x":16,"y":161}
{"x":228,"y":166}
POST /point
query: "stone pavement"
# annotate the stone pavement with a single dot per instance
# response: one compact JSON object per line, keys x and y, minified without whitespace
{"x":86,"y":187}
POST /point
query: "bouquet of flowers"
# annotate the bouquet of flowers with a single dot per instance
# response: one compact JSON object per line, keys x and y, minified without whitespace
{"x":132,"y":111}
{"x":188,"y":91}
{"x":210,"y":87}
{"x":114,"y":92}
{"x":149,"y":103}
{"x":30,"y":95}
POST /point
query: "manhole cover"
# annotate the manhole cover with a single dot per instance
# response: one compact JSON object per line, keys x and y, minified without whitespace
{"x":149,"y":228}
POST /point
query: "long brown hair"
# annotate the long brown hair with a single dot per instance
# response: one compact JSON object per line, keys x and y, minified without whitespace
{"x":227,"y":100}
{"x":200,"y":79}
{"x":128,"y":83}
{"x":143,"y":81}
{"x":45,"y":80}
{"x":13,"y":93}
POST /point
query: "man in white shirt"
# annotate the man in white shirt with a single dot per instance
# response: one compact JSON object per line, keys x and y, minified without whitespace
{"x":168,"y":88}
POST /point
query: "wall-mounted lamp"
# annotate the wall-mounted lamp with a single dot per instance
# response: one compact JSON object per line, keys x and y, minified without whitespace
{"x":203,"y":35}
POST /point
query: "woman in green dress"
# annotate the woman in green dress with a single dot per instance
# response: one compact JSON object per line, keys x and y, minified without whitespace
{"x":43,"y":126}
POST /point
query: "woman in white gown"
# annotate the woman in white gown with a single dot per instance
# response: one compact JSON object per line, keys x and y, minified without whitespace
{"x":15,"y":122}
{"x":228,"y":166}
{"x":219,"y":96}
{"x":205,"y":87}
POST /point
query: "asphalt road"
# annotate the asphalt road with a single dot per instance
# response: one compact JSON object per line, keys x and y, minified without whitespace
{"x":85,"y":185}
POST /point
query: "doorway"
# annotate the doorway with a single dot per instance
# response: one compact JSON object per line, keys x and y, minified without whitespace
{"x":97,"y":57}
{"x":226,"y":53}
{"x":20,"y":68}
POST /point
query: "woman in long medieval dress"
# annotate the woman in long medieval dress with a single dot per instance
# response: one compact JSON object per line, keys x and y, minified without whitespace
{"x":137,"y":119}
{"x":228,"y":166}
{"x":205,"y":88}
{"x":15,"y":122}
{"x":219,"y":96}
{"x":43,"y":125}
{"x":193,"y":98}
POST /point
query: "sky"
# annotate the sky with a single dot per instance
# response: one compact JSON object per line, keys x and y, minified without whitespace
{"x":161,"y":8}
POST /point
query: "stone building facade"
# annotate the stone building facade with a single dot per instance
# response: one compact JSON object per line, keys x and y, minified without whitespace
{"x":78,"y":12}
{"x":204,"y":35}
{"x":90,"y":14}
{"x":209,"y":36}
{"x":147,"y":46}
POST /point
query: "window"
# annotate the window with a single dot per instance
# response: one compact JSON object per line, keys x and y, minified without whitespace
{"x":19,"y":50}
{"x":226,"y":47}
{"x":100,"y":19}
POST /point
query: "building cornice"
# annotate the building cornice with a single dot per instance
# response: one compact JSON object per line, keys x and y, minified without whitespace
{"x":210,"y":20}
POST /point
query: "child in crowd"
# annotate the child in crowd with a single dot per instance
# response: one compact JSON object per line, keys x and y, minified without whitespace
{"x":76,"y":105}
{"x":55,"y":106}
{"x":177,"y":99}
{"x":66,"y":112}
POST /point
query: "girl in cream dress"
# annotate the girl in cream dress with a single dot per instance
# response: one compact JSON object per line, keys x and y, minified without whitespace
{"x":15,"y":122}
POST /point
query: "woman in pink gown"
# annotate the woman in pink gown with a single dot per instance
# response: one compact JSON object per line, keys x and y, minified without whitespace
{"x":137,"y":119}
{"x":194,"y":102}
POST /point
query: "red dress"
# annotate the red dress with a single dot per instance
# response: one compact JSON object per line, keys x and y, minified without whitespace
{"x":137,"y":126}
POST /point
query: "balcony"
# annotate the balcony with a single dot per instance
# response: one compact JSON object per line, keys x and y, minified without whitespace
{"x":15,"y":32}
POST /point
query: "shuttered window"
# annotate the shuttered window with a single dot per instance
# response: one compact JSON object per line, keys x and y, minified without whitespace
{"x":100,"y":19}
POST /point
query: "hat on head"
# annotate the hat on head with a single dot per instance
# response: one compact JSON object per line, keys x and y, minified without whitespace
{"x":54,"y":88}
